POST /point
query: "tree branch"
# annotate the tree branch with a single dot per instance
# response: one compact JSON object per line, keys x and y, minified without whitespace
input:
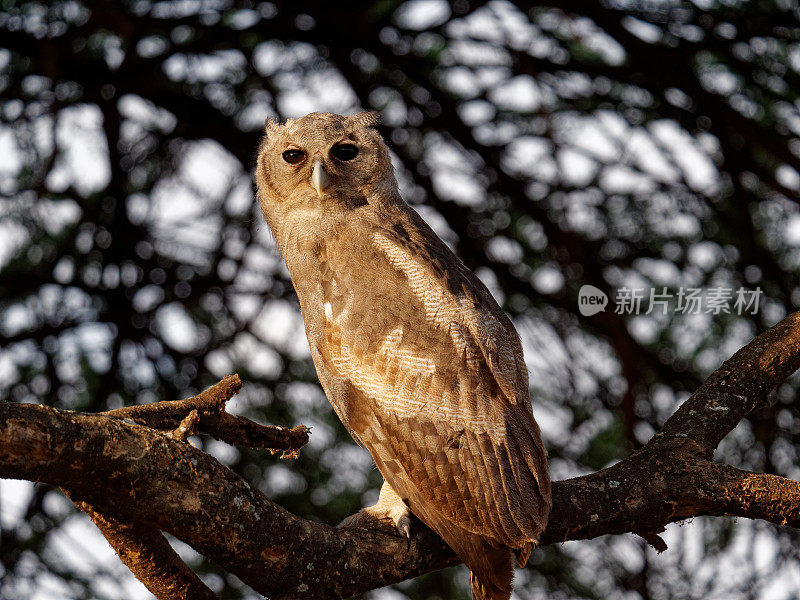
{"x":755,"y":495}
{"x":210,"y":406}
{"x":142,"y":476}
{"x":737,"y":388}
{"x":150,"y":558}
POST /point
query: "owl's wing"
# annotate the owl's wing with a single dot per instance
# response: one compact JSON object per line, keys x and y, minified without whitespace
{"x":442,"y":402}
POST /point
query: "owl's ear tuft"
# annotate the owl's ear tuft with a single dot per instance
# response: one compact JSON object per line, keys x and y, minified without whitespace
{"x":271,"y":126}
{"x":367,"y":118}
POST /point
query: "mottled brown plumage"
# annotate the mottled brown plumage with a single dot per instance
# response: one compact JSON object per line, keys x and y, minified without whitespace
{"x":417,"y":359}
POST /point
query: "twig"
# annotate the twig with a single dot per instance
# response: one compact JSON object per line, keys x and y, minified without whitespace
{"x":169,"y":413}
{"x":214,"y":420}
{"x":187,"y":427}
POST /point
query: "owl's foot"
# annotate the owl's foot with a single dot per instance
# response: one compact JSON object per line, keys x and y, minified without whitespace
{"x":389,"y":507}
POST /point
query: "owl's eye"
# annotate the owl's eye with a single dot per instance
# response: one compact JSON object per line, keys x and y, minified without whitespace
{"x":345,"y":152}
{"x":293,"y":156}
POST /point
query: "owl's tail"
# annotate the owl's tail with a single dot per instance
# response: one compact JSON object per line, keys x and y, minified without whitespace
{"x":493,"y":581}
{"x":490,"y":562}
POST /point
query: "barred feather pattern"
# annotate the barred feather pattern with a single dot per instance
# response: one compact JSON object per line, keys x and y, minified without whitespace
{"x":438,"y":395}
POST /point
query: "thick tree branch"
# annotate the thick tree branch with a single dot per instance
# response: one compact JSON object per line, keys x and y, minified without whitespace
{"x":660,"y":485}
{"x":672,"y":477}
{"x":142,"y":476}
{"x":737,"y":388}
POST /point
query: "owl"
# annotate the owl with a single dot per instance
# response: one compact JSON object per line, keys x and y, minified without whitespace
{"x":419,"y":362}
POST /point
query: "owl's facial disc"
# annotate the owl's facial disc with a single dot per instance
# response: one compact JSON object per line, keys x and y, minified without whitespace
{"x":319,"y":177}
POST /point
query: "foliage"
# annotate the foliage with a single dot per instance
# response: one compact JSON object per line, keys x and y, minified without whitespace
{"x":553,"y":145}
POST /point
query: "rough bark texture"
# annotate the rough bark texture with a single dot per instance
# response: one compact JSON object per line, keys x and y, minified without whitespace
{"x":142,"y":476}
{"x":148,"y":555}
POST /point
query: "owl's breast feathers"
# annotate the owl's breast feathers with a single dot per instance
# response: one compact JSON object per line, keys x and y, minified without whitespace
{"x":427,"y":372}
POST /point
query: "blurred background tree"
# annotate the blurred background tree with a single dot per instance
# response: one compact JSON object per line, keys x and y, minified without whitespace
{"x":551,"y":144}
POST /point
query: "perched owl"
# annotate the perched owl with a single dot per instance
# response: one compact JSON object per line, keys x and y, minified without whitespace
{"x":418,"y":360}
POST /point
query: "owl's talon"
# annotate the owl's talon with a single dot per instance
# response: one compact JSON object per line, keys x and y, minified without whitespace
{"x":389,"y":507}
{"x":404,"y":528}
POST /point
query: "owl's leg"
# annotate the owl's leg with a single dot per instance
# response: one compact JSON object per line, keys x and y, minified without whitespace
{"x":390,"y":506}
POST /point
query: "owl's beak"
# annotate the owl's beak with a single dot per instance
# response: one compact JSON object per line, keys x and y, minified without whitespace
{"x":319,"y":178}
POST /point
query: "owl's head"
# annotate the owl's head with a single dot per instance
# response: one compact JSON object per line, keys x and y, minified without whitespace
{"x":322,"y":163}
